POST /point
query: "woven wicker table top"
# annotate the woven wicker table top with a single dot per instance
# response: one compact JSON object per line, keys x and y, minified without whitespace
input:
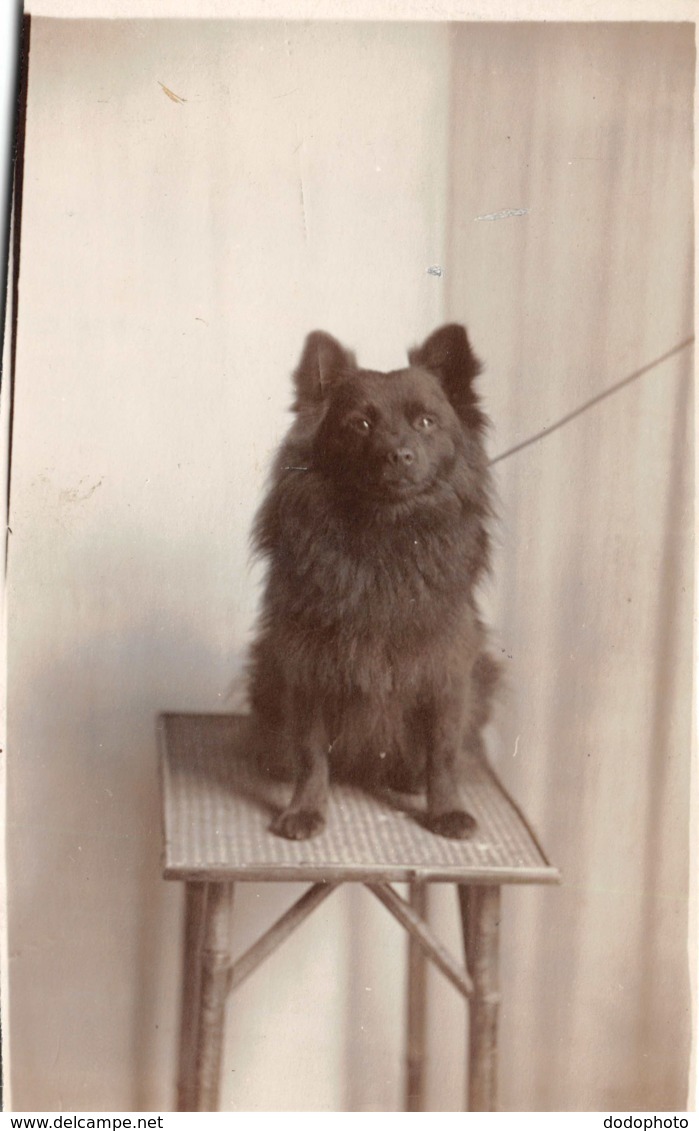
{"x":216,"y":815}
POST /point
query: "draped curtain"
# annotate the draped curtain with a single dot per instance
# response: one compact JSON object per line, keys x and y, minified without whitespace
{"x":588,"y":130}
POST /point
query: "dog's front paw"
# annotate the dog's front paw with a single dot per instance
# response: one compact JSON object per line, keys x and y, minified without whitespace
{"x":457,"y":824}
{"x":298,"y":824}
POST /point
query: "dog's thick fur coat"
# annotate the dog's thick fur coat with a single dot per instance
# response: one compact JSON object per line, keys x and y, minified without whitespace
{"x":370,"y":659}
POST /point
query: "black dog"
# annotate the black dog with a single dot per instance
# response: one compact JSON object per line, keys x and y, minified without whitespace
{"x":370,"y":661}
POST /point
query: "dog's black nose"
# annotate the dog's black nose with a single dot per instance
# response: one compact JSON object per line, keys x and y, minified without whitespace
{"x":404,"y":456}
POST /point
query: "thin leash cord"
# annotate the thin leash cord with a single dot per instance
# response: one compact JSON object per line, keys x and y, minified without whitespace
{"x":593,"y":401}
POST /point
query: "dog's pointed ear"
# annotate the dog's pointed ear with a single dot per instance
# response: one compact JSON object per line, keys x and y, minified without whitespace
{"x":323,"y":362}
{"x":447,"y":353}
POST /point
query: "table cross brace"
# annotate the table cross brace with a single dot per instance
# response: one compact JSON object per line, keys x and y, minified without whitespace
{"x":241,"y":969}
{"x":424,"y":937}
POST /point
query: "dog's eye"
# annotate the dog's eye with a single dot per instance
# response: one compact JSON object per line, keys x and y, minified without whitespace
{"x":360,"y":424}
{"x":425,"y":422}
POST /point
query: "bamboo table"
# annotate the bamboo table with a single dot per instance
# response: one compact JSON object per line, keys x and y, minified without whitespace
{"x":216,"y":813}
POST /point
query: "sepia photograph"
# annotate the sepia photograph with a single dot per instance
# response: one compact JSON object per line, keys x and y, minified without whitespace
{"x":348,"y":451}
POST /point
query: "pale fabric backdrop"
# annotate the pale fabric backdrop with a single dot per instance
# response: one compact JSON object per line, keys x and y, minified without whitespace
{"x":174,"y":254}
{"x":590,"y":130}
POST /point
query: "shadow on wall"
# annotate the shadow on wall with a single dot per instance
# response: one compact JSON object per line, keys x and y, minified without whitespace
{"x":95,"y":875}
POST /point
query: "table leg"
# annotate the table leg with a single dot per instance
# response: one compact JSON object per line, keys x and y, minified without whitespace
{"x":417,"y":1009}
{"x":194,"y":908}
{"x":480,"y":918}
{"x":215,"y":964}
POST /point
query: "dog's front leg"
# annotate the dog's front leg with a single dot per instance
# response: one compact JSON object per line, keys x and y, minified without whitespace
{"x":446,"y":815}
{"x":304,"y":817}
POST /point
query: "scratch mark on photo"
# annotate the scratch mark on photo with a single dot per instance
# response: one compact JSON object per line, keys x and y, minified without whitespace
{"x":503,"y":214}
{"x":170,"y":93}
